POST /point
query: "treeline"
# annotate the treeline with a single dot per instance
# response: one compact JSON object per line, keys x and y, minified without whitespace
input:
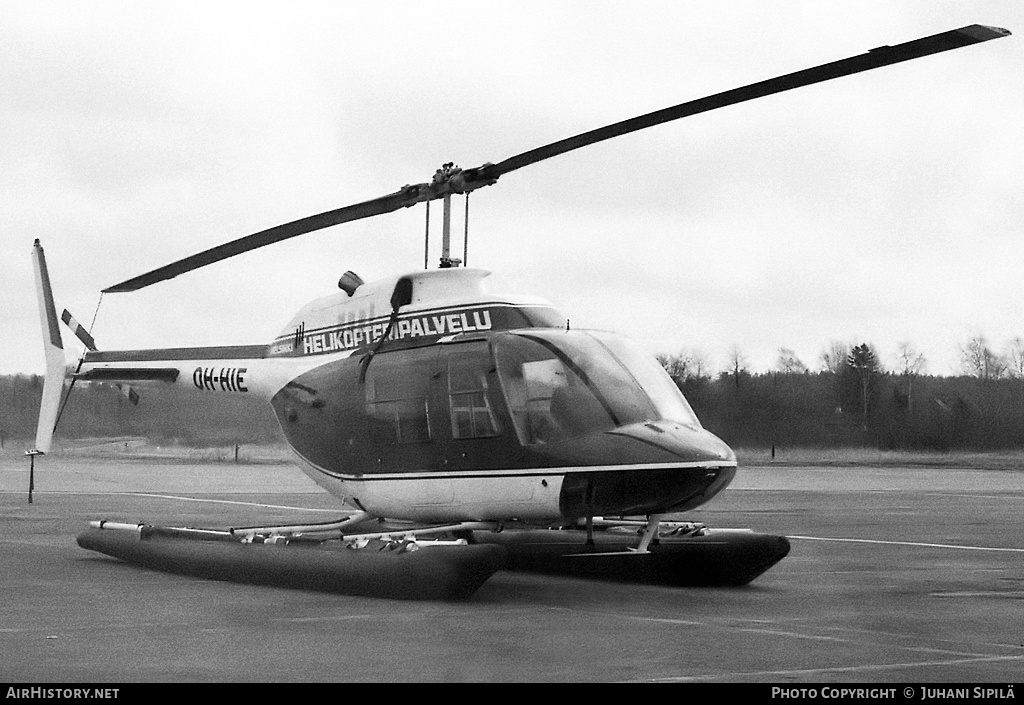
{"x":164,"y":414}
{"x":849,"y":408}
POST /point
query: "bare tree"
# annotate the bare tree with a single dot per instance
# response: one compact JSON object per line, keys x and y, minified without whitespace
{"x":1015,"y":357}
{"x":834,"y":358}
{"x":685,"y":365}
{"x":789,"y":363}
{"x":675,"y":366}
{"x":911,"y":363}
{"x":978,"y":360}
{"x":737,"y":364}
{"x":701,"y":364}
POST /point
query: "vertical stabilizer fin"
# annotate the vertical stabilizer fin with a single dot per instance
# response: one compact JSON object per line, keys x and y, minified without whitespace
{"x":53,"y":347}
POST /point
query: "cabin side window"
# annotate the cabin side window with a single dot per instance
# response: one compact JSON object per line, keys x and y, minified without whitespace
{"x":396,"y":400}
{"x":468,"y":398}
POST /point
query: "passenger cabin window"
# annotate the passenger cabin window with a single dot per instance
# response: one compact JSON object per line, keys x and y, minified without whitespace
{"x":468,"y":398}
{"x":396,"y":398}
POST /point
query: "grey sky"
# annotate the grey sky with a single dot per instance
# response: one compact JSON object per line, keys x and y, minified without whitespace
{"x":883,"y":207}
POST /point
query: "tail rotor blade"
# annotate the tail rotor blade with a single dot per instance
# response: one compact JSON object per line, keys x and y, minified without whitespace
{"x":78,"y":329}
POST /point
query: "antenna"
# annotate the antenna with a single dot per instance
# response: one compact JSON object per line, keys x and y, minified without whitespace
{"x":426,"y":241}
{"x":465,"y":238}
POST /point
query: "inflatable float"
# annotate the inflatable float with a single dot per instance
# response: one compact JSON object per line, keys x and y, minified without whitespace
{"x":406,"y":570}
{"x":695,"y":557}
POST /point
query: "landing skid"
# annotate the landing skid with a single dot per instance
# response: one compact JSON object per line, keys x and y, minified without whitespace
{"x":637,"y":551}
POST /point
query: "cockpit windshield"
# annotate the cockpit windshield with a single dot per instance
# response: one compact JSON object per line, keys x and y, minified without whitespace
{"x":561,"y":385}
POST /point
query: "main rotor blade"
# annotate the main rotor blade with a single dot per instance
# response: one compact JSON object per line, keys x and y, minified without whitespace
{"x":463,"y":181}
{"x":385,"y":204}
{"x":882,"y":56}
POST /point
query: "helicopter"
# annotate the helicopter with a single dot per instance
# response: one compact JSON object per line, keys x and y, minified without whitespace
{"x":425,"y":398}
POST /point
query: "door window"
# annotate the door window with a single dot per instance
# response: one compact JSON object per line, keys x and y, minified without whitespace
{"x":468,"y":397}
{"x":396,"y":397}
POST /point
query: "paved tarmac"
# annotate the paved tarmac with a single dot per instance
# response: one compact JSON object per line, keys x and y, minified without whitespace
{"x":905,"y":575}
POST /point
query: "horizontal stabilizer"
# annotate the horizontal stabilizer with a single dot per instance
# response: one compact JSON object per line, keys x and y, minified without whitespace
{"x":90,"y":343}
{"x":129,"y":374}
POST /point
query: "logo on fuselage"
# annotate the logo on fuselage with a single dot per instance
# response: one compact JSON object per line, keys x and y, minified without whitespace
{"x":360,"y":334}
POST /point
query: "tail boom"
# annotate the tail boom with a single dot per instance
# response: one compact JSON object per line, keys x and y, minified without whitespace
{"x":236,"y":370}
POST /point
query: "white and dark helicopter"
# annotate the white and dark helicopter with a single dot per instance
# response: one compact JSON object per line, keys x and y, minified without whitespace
{"x":426,"y":399}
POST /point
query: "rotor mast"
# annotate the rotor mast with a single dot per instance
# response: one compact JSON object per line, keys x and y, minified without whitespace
{"x":446,"y":235}
{"x":444,"y":175}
